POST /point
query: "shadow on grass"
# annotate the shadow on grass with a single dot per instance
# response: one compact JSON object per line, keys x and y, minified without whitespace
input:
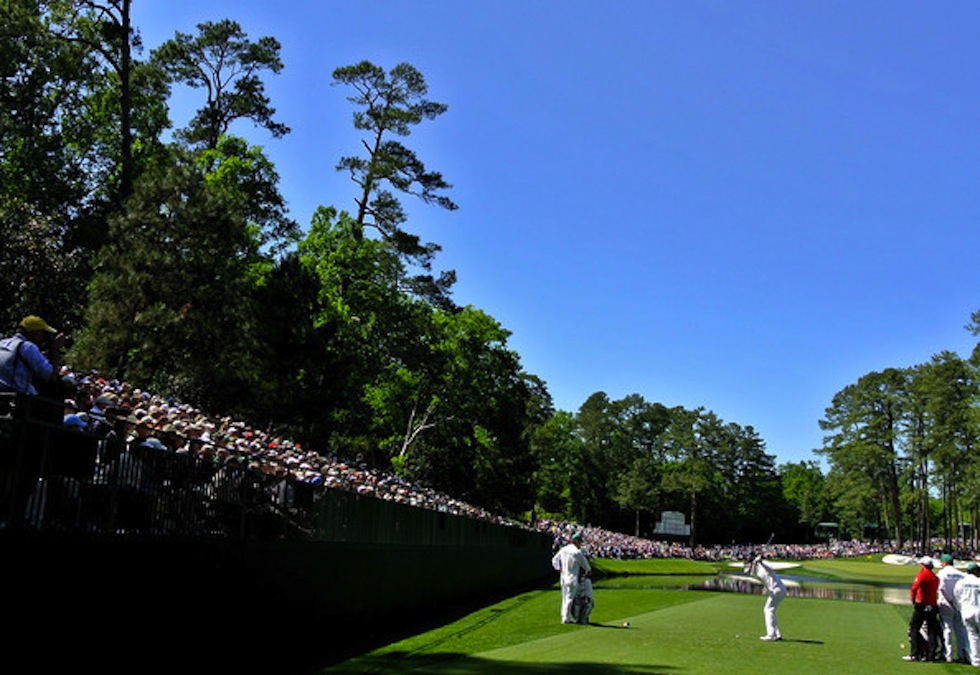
{"x":460,"y":664}
{"x":342,"y":641}
{"x":607,"y":625}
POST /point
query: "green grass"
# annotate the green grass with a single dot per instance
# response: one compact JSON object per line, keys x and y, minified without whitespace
{"x":523,"y":619}
{"x":654,"y":566}
{"x":671,"y":631}
{"x":860,"y":569}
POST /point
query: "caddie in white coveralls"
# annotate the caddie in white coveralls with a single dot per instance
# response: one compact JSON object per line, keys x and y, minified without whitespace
{"x":776,"y":591}
{"x":570,"y":561}
{"x":966,"y":593}
{"x":949,"y":615}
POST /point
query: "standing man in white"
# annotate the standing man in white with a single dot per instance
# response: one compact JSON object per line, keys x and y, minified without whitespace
{"x":569,"y":562}
{"x":967,"y":596}
{"x":776,"y":591}
{"x":949,"y":615}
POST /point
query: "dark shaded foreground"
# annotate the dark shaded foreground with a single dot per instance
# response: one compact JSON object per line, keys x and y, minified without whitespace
{"x":144,"y":606}
{"x":460,"y":664}
{"x":358,"y":639}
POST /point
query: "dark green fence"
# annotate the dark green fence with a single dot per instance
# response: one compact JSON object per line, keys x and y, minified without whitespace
{"x":150,"y":566}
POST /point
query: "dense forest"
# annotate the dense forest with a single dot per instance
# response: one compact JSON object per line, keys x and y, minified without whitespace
{"x":169,"y":257}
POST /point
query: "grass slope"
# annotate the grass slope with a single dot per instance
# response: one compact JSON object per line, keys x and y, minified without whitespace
{"x":669,"y":566}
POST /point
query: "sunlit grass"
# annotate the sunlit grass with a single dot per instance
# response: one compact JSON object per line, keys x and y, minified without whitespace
{"x":669,"y":631}
{"x":860,"y":569}
{"x":655,"y":566}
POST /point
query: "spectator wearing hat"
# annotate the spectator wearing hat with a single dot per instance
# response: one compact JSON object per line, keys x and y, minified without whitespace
{"x":924,"y":592}
{"x":949,"y":615}
{"x":967,"y":596}
{"x":74,"y":420}
{"x":30,"y":357}
{"x":570,"y":562}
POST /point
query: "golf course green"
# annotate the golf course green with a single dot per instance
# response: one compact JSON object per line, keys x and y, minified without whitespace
{"x":638,"y":629}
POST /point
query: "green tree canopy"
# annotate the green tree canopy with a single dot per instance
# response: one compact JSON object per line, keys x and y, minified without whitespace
{"x":74,"y":106}
{"x":223,"y":62}
{"x":391,"y":104}
{"x":805,"y":490}
{"x":865,"y":423}
{"x":172,"y":304}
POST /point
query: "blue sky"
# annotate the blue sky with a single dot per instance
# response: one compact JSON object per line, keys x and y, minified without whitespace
{"x":738,"y":205}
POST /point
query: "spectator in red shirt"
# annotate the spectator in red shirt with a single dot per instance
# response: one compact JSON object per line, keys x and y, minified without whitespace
{"x":924,"y":591}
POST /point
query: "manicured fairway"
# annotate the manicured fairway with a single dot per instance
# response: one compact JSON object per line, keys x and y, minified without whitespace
{"x":719,"y":634}
{"x":862,"y":570}
{"x":671,"y":631}
{"x":667,"y":567}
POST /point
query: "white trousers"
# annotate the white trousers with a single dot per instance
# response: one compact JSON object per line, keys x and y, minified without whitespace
{"x":769,"y":611}
{"x":973,"y":634}
{"x":569,"y":589}
{"x":953,"y":625}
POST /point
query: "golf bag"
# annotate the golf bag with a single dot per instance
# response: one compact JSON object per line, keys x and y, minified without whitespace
{"x":582,"y":604}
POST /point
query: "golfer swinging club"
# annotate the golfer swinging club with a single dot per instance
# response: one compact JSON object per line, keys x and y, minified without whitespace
{"x":775,"y":589}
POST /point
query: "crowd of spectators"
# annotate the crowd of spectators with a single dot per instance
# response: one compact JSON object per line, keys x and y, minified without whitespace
{"x":98,"y":405}
{"x":102,"y":405}
{"x":602,"y":543}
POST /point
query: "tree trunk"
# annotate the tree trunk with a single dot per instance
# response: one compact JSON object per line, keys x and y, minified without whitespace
{"x":924,"y":506}
{"x":895,"y":506}
{"x":694,"y":518}
{"x":125,"y":106}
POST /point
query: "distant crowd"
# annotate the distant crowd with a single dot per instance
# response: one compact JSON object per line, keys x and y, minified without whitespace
{"x":599,"y":543}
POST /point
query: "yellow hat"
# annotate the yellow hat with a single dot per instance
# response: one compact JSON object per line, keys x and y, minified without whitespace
{"x":35,"y":323}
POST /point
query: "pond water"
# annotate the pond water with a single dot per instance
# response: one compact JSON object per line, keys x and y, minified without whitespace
{"x":796,"y":586}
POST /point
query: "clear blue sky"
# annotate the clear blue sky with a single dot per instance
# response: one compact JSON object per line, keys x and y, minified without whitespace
{"x":738,"y":205}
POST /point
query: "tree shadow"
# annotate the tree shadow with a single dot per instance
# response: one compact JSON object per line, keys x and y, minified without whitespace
{"x":461,"y":664}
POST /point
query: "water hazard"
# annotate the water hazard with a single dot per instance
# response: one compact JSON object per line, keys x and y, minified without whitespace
{"x":796,"y":586}
{"x":811,"y":587}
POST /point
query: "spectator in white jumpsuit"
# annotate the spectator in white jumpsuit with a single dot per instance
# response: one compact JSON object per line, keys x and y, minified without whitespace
{"x":776,"y":591}
{"x":949,"y":615}
{"x":570,"y":561}
{"x":967,"y":596}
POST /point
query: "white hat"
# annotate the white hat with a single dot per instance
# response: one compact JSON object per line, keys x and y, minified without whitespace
{"x":926,"y":560}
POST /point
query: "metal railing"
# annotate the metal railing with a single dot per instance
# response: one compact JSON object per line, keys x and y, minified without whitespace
{"x":57,"y":479}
